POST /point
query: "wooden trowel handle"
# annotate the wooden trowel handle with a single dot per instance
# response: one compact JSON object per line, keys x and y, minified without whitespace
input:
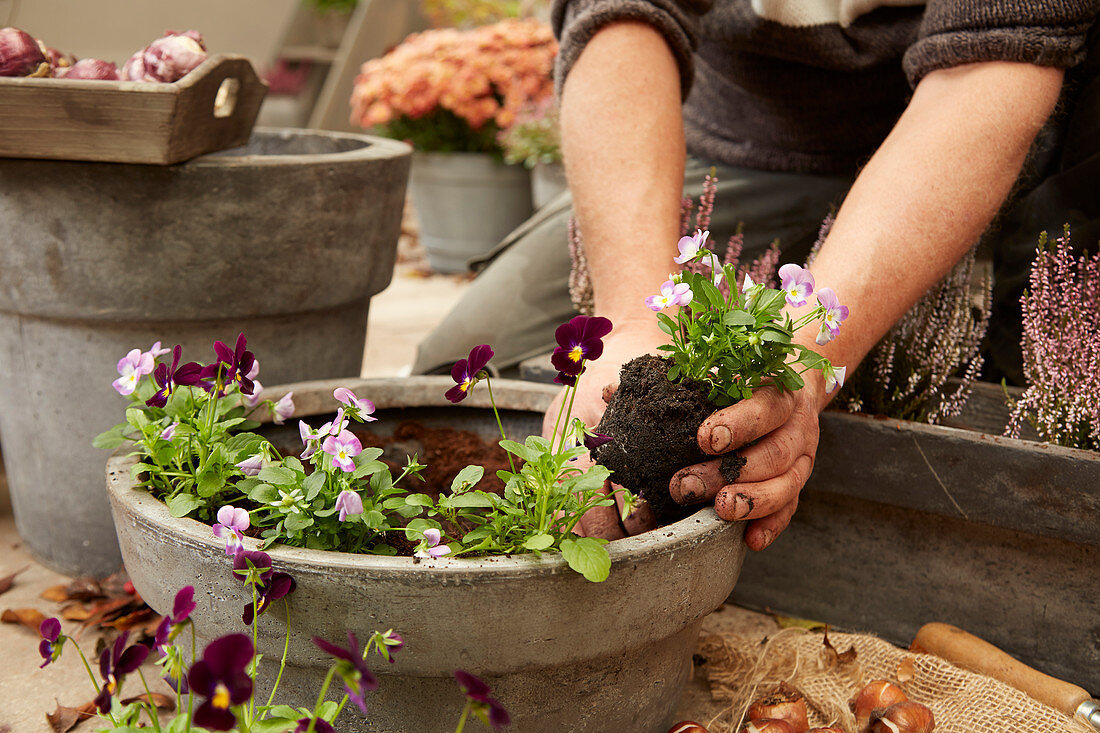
{"x":969,"y":652}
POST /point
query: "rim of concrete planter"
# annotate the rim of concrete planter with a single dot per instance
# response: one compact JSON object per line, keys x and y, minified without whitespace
{"x":502,"y":617}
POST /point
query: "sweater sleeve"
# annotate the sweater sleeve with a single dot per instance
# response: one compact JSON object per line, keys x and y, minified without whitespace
{"x":576,"y":21}
{"x":956,"y":32}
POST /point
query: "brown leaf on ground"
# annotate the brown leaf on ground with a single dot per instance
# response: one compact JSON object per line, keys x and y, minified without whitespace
{"x":65,"y":719}
{"x":56,"y":593}
{"x":134,"y":619}
{"x":834,"y":657}
{"x":75,"y":612}
{"x":106,"y":610}
{"x":83,"y":589}
{"x":159,"y":699}
{"x":29,"y":617}
{"x":7,"y":580}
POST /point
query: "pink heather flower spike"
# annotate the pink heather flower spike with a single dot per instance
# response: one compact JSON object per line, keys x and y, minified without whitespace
{"x":131,"y":369}
{"x":690,"y":246}
{"x":671,"y":294}
{"x":835,"y":314}
{"x":349,"y":502}
{"x":431,"y":545}
{"x":283,"y":409}
{"x":797,"y":284}
{"x":364,"y":406}
{"x":251,"y":466}
{"x":343,"y":448}
{"x":231,"y":523}
{"x":834,"y":378}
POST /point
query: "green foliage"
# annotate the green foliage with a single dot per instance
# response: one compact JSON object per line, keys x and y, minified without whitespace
{"x":534,"y":138}
{"x":442,"y":131}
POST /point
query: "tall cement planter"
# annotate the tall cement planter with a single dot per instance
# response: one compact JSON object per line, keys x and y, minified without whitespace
{"x":561,"y":653}
{"x":285,"y":239}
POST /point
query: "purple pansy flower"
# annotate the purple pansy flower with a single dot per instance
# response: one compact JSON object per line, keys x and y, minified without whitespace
{"x":430,"y":547}
{"x":131,"y":369}
{"x":114,"y":664}
{"x":168,"y":378}
{"x":358,"y":679}
{"x":50,"y":647}
{"x":593,"y":440}
{"x":689,"y":247}
{"x":392,"y":642}
{"x":231,"y":524}
{"x":485,"y":707}
{"x":364,"y":407}
{"x":319,"y":726}
{"x":579,"y":340}
{"x":671,"y":294}
{"x":253,"y":566}
{"x":349,"y":502}
{"x":221,"y":678}
{"x":796,"y":283}
{"x":182,"y":607}
{"x":252,"y":465}
{"x":234,"y":365}
{"x":343,"y":448}
{"x":835,"y":314}
{"x":466,"y":372}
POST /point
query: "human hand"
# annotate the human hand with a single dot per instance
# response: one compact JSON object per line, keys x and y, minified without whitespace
{"x":784,"y":427}
{"x":595,"y":388}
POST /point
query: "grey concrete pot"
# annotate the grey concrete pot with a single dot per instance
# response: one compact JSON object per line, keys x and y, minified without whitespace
{"x":285,"y":239}
{"x":466,"y":203}
{"x":561,"y":653}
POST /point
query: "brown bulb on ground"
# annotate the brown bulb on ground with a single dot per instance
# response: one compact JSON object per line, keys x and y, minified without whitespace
{"x":768,"y":726}
{"x":687,"y":726}
{"x":875,"y":695}
{"x":786,"y":704}
{"x":830,"y":729}
{"x":904,"y":717}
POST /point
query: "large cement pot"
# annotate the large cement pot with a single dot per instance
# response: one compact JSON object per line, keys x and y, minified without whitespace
{"x":285,"y":239}
{"x":561,"y":653}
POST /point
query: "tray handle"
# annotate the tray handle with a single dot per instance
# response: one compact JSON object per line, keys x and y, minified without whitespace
{"x":217,"y":107}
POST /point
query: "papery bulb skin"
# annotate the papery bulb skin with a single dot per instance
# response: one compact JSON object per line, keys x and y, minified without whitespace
{"x":20,"y":54}
{"x":687,"y":726}
{"x":91,"y":69}
{"x":786,"y":704}
{"x":830,"y":729}
{"x":134,"y":68}
{"x":903,"y":717}
{"x":166,"y":59}
{"x":875,"y":695}
{"x":768,"y":726}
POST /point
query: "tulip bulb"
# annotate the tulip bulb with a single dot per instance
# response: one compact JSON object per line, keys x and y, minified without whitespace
{"x":91,"y":69}
{"x":830,"y":729}
{"x":786,"y":704}
{"x":904,"y":717}
{"x":166,"y":59}
{"x":876,"y":695}
{"x":768,"y":726}
{"x":687,"y":726}
{"x":20,"y":54}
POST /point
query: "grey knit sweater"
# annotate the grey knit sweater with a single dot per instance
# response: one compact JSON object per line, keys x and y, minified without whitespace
{"x":816,"y":85}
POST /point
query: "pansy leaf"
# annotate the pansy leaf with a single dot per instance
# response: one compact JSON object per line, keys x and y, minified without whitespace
{"x":739,"y":318}
{"x":772,"y":333}
{"x":277,"y":475}
{"x":538,"y":542}
{"x":275,"y":725}
{"x":414,"y":530}
{"x":293,"y":464}
{"x":471,"y":500}
{"x":419,"y":500}
{"x":520,"y":450}
{"x":137,"y":418}
{"x":383,"y":549}
{"x":373,"y":519}
{"x":111,"y":439}
{"x":263,"y":494}
{"x":296,"y":522}
{"x":313,"y":484}
{"x":466,"y":479}
{"x":210,"y":483}
{"x":368,"y":468}
{"x":181,"y":505}
{"x":587,"y":556}
{"x":369,"y":454}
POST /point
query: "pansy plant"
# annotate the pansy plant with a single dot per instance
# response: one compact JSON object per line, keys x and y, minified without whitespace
{"x":736,"y":341}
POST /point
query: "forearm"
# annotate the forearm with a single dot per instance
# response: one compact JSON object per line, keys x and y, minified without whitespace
{"x":623,"y":143}
{"x":928,"y":193}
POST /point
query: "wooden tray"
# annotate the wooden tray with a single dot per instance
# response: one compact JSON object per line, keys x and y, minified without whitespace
{"x":212,"y":108}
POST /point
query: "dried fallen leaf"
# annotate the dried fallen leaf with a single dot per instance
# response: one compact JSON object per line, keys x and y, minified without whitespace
{"x":906,"y":670}
{"x":75,"y":612}
{"x":84,"y":589}
{"x":56,"y":593}
{"x":835,"y":658}
{"x":64,"y":719}
{"x":159,"y":699}
{"x":133,"y":619}
{"x":791,"y":622}
{"x":7,"y":580}
{"x":107,"y":610}
{"x":29,"y":617}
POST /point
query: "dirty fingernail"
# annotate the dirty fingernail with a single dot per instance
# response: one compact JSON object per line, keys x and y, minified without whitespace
{"x":720,"y":438}
{"x":742,"y":505}
{"x":766,"y":537}
{"x":691,"y":489}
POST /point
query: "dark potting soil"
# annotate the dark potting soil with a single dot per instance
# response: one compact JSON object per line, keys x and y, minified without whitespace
{"x":653,"y":425}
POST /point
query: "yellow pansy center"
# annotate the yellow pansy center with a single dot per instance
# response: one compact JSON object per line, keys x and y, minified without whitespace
{"x":220,"y":699}
{"x":576,"y":354}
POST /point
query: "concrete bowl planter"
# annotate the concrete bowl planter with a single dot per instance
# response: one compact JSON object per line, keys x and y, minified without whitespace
{"x":561,"y":653}
{"x":286,"y":238}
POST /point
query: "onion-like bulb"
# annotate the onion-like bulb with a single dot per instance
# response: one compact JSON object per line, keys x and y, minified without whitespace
{"x":768,"y":726}
{"x":904,"y":717}
{"x":876,"y":695}
{"x":20,"y":54}
{"x":687,"y":726}
{"x":786,"y":704}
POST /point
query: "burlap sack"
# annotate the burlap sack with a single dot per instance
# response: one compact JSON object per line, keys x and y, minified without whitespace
{"x":740,"y":670}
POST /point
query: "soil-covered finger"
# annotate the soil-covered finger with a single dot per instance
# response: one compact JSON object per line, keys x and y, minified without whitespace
{"x":774,"y":454}
{"x":602,"y":521}
{"x":698,"y":483}
{"x":609,"y":391}
{"x":764,"y":531}
{"x":740,"y":424}
{"x":756,"y":500}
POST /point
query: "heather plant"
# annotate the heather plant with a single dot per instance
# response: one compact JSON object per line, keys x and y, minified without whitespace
{"x":1061,"y":347}
{"x":452,"y":90}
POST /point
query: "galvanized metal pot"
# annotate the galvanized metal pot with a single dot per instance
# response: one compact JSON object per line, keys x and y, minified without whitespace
{"x":285,"y":239}
{"x":561,"y":653}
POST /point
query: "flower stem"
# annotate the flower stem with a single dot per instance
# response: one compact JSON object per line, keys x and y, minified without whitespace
{"x":569,"y":411}
{"x":496,"y":414}
{"x":282,"y":662}
{"x":462,"y":720}
{"x":321,"y":699}
{"x":87,"y":667}
{"x":151,"y":708}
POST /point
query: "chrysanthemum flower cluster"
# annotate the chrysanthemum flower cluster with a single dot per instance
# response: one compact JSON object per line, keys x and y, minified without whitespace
{"x":482,"y":76}
{"x":1061,"y":347}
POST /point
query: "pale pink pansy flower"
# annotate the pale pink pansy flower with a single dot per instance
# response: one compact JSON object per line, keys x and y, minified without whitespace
{"x":251,"y":466}
{"x":343,"y":448}
{"x":348,"y":502}
{"x":797,"y":284}
{"x":131,"y":369}
{"x":835,"y":314}
{"x":282,"y":409}
{"x":169,"y":432}
{"x":834,"y":378}
{"x":671,"y":294}
{"x":156,"y":351}
{"x":364,"y":407}
{"x":254,"y":399}
{"x":690,"y":246}
{"x":232,"y":522}
{"x":430,"y":547}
